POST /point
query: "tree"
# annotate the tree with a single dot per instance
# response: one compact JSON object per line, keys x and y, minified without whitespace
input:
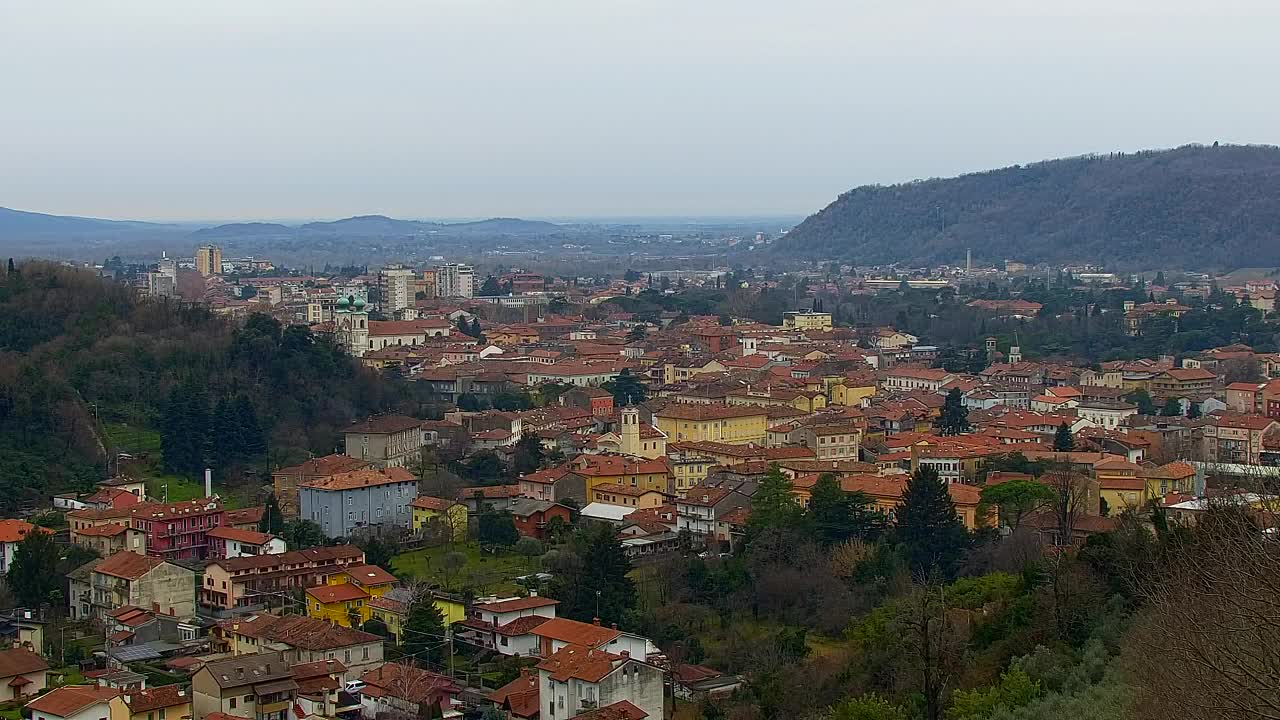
{"x":1193,"y":410}
{"x":1142,"y":399}
{"x":374,"y":626}
{"x":529,"y":548}
{"x":1070,"y":499}
{"x":272,"y":519}
{"x":594,"y":574}
{"x":955,"y":416}
{"x":528,"y":454}
{"x":926,"y":523}
{"x":838,"y":516}
{"x":249,"y":437}
{"x":1063,"y":441}
{"x":774,"y":506}
{"x":626,"y":388}
{"x":1015,"y":689}
{"x":497,"y":528}
{"x":932,"y":647}
{"x":33,"y":577}
{"x":637,"y":334}
{"x":378,"y":551}
{"x":866,"y":707}
{"x":424,"y":630}
{"x":451,"y":563}
{"x":1016,"y":499}
{"x":302,"y":534}
{"x":490,"y":287}
{"x":1172,"y":408}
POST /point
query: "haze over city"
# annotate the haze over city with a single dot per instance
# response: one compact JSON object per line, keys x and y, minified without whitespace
{"x":290,"y":109}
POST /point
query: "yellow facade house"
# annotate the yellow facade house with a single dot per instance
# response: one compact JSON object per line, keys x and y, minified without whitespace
{"x":807,"y":321}
{"x":345,"y":599}
{"x":393,"y":610}
{"x":633,"y":472}
{"x":732,"y":424}
{"x":451,"y":515}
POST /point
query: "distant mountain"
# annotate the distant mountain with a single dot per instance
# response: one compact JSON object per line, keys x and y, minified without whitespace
{"x":249,"y":229}
{"x":505,"y":226}
{"x":23,"y":223}
{"x":1191,"y":207}
{"x":368,"y":225}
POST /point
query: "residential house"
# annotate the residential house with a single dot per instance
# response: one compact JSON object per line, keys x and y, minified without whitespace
{"x":555,"y":484}
{"x":1106,"y":414}
{"x":593,"y":399}
{"x":320,"y":689}
{"x":345,"y":598}
{"x":531,"y":517}
{"x":79,"y":702}
{"x":131,"y":626}
{"x":392,"y":608}
{"x":557,"y":633}
{"x":13,"y":532}
{"x":599,"y":470}
{"x":402,"y":690}
{"x":286,"y":480}
{"x":518,"y":698}
{"x":506,"y":626}
{"x":1231,"y":438}
{"x":175,"y":530}
{"x":488,"y":497}
{"x":909,"y":378}
{"x":109,"y":539}
{"x":628,"y":496}
{"x":128,"y":578}
{"x":165,"y":702}
{"x":22,"y":673}
{"x":229,"y":542}
{"x":385,"y":441}
{"x":701,"y":509}
{"x":300,"y":640}
{"x":578,"y":679}
{"x":350,"y":502}
{"x":446,"y":517}
{"x":838,"y":441}
{"x":258,"y":686}
{"x":240,"y":583}
{"x":732,"y":424}
{"x":1181,"y":383}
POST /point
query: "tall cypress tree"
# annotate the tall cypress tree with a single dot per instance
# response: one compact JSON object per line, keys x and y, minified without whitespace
{"x":927,"y":525}
{"x":955,"y":416}
{"x":1062,"y":439}
{"x":251,"y":439}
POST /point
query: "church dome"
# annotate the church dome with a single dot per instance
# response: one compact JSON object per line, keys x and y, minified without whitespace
{"x":343,"y":302}
{"x":359,"y":303}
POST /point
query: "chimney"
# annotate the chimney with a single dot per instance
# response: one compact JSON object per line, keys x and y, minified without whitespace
{"x":208,"y":482}
{"x":596,"y":621}
{"x":128,"y":699}
{"x":626,"y":654}
{"x":533,"y":592}
{"x":613,"y":626}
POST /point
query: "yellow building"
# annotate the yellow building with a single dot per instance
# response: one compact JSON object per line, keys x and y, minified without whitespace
{"x":807,"y":321}
{"x":346,"y":596}
{"x":394,"y":613}
{"x":733,"y":424}
{"x":632,"y":472}
{"x":627,"y":496}
{"x":429,"y":510}
{"x":851,"y":392}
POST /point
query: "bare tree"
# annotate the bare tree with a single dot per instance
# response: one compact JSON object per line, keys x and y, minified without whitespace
{"x":1072,"y":498}
{"x":933,"y":644}
{"x":1208,"y":644}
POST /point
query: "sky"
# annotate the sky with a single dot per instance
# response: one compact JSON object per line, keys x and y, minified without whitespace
{"x":271,"y":109}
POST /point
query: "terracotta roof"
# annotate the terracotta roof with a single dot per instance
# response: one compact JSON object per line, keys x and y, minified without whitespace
{"x":327,"y":465}
{"x":520,"y":696}
{"x":360,"y":479}
{"x":1122,"y":483}
{"x":307,"y":633}
{"x":108,"y":530}
{"x":369,"y":575}
{"x":1116,"y":463}
{"x":1173,"y":471}
{"x":576,"y":633}
{"x":521,"y":626}
{"x":324,"y":555}
{"x":303,"y":671}
{"x":578,"y":662}
{"x":248,"y":537}
{"x":386,"y":603}
{"x":128,"y":565}
{"x":517,"y":604}
{"x":384,"y":424}
{"x":19,"y":661}
{"x":408,"y":683}
{"x":1187,"y":374}
{"x":489,"y":492}
{"x":344,"y":592}
{"x":69,"y":700}
{"x":426,"y":502}
{"x":621,"y":710}
{"x":154,"y":698}
{"x":699,"y":411}
{"x":1243,"y":422}
{"x":246,"y":516}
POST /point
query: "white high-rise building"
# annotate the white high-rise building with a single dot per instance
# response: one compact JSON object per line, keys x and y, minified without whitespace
{"x":454,"y":280}
{"x":397,"y":288}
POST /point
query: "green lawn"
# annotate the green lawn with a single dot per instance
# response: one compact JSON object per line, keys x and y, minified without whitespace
{"x":141,"y":442}
{"x":483,"y":572}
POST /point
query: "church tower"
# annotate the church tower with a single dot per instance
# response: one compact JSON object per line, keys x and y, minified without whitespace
{"x":629,"y":434}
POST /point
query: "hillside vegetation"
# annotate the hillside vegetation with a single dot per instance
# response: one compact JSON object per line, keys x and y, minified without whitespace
{"x":80,"y":355}
{"x":1192,"y":207}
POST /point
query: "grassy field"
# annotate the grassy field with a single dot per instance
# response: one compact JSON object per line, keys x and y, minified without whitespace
{"x":482,"y":571}
{"x":144,"y":445}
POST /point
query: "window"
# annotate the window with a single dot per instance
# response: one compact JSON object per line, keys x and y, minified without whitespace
{"x":161,"y":713}
{"x":364,"y":656}
{"x":248,"y":699}
{"x":232,"y":703}
{"x":346,"y":656}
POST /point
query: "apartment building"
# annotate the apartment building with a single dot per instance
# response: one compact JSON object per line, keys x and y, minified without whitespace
{"x":454,"y":281}
{"x":350,"y":502}
{"x":385,"y":441}
{"x":240,"y":583}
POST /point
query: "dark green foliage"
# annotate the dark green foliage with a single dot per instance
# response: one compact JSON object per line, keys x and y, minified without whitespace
{"x":837,"y":516}
{"x":490,"y":287}
{"x":497,"y":528}
{"x":302,"y":534}
{"x":33,"y":577}
{"x":376,"y":627}
{"x":424,"y":631}
{"x":773,"y":506}
{"x":595,"y":571}
{"x":272,"y":519}
{"x":627,"y":389}
{"x":1172,"y":408}
{"x":378,"y":551}
{"x":1063,"y":441}
{"x":528,"y":454}
{"x":1017,"y":498}
{"x":927,"y":524}
{"x":955,"y":416}
{"x":1192,"y":207}
{"x":483,"y":466}
{"x":1142,"y":399}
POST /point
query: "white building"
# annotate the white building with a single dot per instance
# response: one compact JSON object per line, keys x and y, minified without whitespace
{"x":454,"y":280}
{"x":1105,"y":413}
{"x":397,"y":288}
{"x":576,"y":679}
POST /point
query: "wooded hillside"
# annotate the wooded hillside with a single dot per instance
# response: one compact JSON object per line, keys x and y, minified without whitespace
{"x":1188,"y":208}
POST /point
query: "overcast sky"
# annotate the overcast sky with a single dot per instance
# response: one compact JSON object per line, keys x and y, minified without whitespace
{"x":237,"y":109}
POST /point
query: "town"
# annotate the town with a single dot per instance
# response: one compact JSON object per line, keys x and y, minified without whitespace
{"x":514,"y":551}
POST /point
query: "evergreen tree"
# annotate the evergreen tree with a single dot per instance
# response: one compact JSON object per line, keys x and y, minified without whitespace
{"x":490,"y":287}
{"x":272,"y":519}
{"x":1160,"y":278}
{"x":774,"y":505}
{"x":226,"y":437}
{"x":476,"y":331}
{"x":528,"y":454}
{"x":1193,"y":410}
{"x":955,"y":416}
{"x":496,"y":528}
{"x":252,"y":440}
{"x":423,"y":635}
{"x":1063,"y":441}
{"x":627,"y":389}
{"x":1172,"y":408}
{"x":927,"y":525}
{"x":599,"y":574}
{"x":33,"y":577}
{"x":838,"y":516}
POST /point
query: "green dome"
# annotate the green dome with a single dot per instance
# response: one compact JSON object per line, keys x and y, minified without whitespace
{"x":343,"y":302}
{"x":359,"y":303}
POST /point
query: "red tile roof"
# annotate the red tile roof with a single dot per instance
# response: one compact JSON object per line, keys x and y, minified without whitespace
{"x":621,"y":710}
{"x":15,"y":530}
{"x":248,"y":537}
{"x":367,"y":575}
{"x":154,"y":698}
{"x":19,"y":661}
{"x":576,"y":633}
{"x":128,"y":565}
{"x":66,"y":701}
{"x":384,"y":424}
{"x":345,"y":592}
{"x":360,"y":479}
{"x":578,"y":662}
{"x":517,"y":604}
{"x":426,"y":502}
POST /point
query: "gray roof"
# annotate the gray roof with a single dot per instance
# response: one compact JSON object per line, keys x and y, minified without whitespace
{"x":524,"y":507}
{"x":248,"y":669}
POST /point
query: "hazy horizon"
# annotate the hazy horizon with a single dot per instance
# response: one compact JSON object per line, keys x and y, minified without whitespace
{"x":244,"y":111}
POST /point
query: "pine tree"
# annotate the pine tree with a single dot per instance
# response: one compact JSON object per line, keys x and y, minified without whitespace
{"x":774,"y":505}
{"x":272,"y":519}
{"x":955,"y":416}
{"x":423,"y":635}
{"x":252,"y":441}
{"x":226,"y":437}
{"x":33,"y":576}
{"x":927,"y":525}
{"x":1063,"y":441}
{"x":838,"y":516}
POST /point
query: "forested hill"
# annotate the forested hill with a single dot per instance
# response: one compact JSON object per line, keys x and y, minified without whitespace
{"x":1189,"y":208}
{"x":80,"y":355}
